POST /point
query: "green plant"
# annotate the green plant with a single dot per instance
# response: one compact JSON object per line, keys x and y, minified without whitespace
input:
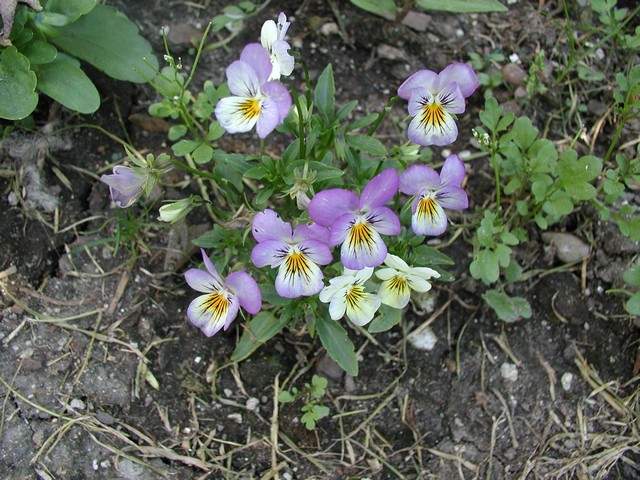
{"x":389,"y":8}
{"x":45,"y":49}
{"x":310,"y":395}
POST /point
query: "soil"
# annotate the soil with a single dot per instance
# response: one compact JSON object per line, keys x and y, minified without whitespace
{"x":104,"y":377}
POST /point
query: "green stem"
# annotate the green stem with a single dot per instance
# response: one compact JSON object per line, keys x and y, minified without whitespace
{"x":382,"y":114}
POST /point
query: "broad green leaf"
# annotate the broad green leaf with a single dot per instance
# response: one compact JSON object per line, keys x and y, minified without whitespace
{"x":368,"y":144}
{"x":261,"y":328}
{"x":17,"y":85}
{"x":509,"y":309}
{"x":424,"y":255}
{"x":462,"y":6}
{"x":335,"y":340}
{"x":107,"y":39}
{"x":387,"y":317}
{"x":63,"y":12}
{"x":325,"y":92}
{"x":384,"y":8}
{"x":39,"y":51}
{"x":66,"y":83}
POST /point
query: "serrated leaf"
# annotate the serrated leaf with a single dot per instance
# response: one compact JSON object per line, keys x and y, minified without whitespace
{"x":335,"y":340}
{"x":108,"y":40}
{"x":66,"y":83}
{"x":508,"y":309}
{"x":261,"y":328}
{"x":17,"y":85}
{"x":485,"y":266}
{"x":462,"y":6}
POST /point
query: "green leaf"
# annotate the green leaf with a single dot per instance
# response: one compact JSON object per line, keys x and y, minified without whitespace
{"x":485,"y":266}
{"x":384,"y":8}
{"x":633,"y":304}
{"x":368,"y":144}
{"x":39,"y":51}
{"x":63,"y":12}
{"x":108,"y":40}
{"x":325,"y":92}
{"x":387,"y":318}
{"x":335,"y":340}
{"x":66,"y":83}
{"x":17,"y":85}
{"x":184,"y":147}
{"x":261,"y":328}
{"x":632,"y":276}
{"x":508,"y":309}
{"x":285,"y":397}
{"x":202,"y":154}
{"x":424,"y":255}
{"x":576,"y":175}
{"x":462,"y":6}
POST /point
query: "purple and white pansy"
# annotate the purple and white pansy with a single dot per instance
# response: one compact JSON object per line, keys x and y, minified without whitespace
{"x":296,"y":252}
{"x":358,"y":222}
{"x":433,"y":100}
{"x":222,"y":298}
{"x":272,"y":38}
{"x":433,"y":193}
{"x":256,"y":101}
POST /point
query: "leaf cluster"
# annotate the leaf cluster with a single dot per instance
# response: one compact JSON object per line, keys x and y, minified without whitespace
{"x":47,"y":47}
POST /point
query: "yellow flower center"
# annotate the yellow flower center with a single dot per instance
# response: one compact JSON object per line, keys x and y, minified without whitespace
{"x":426,"y":207}
{"x":354,"y":295}
{"x":432,"y":115}
{"x":217,"y":304}
{"x":297,"y":263}
{"x":398,"y":285}
{"x":360,"y":235}
{"x":251,"y":108}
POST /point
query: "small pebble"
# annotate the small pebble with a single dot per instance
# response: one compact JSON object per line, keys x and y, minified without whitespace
{"x":252,"y":404}
{"x":569,"y":248}
{"x":566,"y":381}
{"x":236,"y":417}
{"x":509,"y":371}
{"x":77,"y":404}
{"x":423,"y":340}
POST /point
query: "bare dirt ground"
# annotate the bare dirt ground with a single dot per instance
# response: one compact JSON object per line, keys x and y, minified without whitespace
{"x":103,"y":377}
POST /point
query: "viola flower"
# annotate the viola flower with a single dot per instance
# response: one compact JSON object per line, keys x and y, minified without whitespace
{"x":272,"y":38}
{"x":256,"y":101}
{"x":357,"y":223}
{"x":297,"y":253}
{"x":433,"y":193}
{"x":222,"y":299}
{"x":399,"y":279}
{"x":433,"y":100}
{"x":126,"y":185}
{"x":346,"y":294}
